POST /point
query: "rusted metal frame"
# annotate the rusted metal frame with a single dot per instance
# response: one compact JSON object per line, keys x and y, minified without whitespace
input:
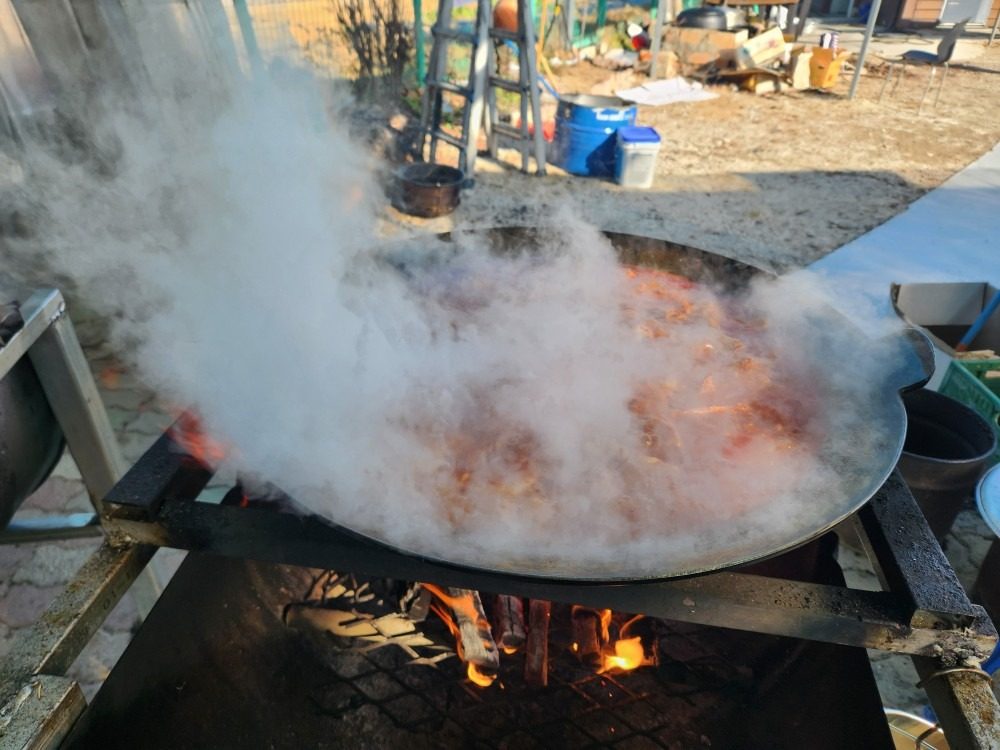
{"x":736,"y":600}
{"x":165,"y":473}
{"x":909,"y":560}
{"x":964,"y":703}
{"x":52,"y":644}
{"x":41,"y":713}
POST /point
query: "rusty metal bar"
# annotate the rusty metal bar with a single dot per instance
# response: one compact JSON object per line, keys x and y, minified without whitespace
{"x":163,"y":474}
{"x":52,"y":644}
{"x":834,"y":614}
{"x":41,"y":713}
{"x":909,"y":559}
{"x":964,"y":703}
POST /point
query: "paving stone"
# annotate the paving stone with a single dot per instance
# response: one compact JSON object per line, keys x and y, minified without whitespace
{"x":90,"y":331}
{"x":119,"y":418}
{"x":54,"y":564}
{"x":129,"y":399}
{"x":112,"y":374}
{"x":66,"y":468}
{"x":6,"y":638}
{"x":54,"y":494}
{"x":97,"y":352}
{"x":12,"y":556}
{"x":24,"y":603}
{"x":150,"y":422}
{"x":133,"y":445}
{"x":80,"y":502}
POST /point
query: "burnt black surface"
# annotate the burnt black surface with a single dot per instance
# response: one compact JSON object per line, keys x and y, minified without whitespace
{"x":215,"y":666}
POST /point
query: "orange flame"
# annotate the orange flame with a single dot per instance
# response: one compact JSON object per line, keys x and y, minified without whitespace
{"x":480,"y":678}
{"x":188,"y":434}
{"x":629,"y":653}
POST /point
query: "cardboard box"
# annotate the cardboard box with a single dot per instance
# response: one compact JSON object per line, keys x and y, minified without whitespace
{"x":763,"y":82}
{"x":762,"y":49}
{"x":945,"y":312}
{"x":824,"y":67}
{"x":799,"y":68}
{"x":704,"y":46}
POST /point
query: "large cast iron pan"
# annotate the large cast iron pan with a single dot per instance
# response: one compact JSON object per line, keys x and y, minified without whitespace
{"x":31,"y":441}
{"x":753,"y":536}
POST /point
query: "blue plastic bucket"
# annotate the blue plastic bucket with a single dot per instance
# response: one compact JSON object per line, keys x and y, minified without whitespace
{"x":585,"y":133}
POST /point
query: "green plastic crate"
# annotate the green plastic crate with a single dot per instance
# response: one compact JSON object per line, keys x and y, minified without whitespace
{"x":962,"y":382}
{"x":978,"y":369}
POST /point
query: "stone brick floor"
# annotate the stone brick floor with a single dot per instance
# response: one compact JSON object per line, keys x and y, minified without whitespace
{"x":32,"y":574}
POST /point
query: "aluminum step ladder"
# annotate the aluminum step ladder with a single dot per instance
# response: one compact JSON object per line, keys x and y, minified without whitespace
{"x":480,"y":90}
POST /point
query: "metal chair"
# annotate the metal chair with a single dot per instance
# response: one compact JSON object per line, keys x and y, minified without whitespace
{"x":939,"y":59}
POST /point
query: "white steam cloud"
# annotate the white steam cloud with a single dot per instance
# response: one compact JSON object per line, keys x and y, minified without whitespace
{"x":401,"y":393}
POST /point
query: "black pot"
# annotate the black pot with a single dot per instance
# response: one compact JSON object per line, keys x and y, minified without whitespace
{"x":31,"y":441}
{"x":703,"y":18}
{"x":427,"y":190}
{"x":947,"y":448}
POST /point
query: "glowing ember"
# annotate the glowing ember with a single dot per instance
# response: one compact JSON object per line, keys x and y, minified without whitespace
{"x":189,"y":435}
{"x":629,"y":654}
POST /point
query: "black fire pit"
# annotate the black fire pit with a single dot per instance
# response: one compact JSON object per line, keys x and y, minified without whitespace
{"x":236,"y":676}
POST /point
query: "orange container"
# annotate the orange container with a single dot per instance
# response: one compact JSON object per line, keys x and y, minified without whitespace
{"x":824,"y":67}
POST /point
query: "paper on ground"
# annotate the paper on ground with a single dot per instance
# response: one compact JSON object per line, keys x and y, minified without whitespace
{"x":666,"y":91}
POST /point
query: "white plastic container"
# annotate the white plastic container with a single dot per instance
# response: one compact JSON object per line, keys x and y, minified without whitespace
{"x":635,"y":156}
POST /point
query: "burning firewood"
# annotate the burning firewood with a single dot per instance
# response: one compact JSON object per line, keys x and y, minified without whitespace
{"x":474,"y":640}
{"x":589,"y":635}
{"x":510,"y":622}
{"x":478,"y":646}
{"x":536,"y":663}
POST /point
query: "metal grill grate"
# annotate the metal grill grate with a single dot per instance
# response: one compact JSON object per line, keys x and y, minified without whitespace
{"x":669,"y":705}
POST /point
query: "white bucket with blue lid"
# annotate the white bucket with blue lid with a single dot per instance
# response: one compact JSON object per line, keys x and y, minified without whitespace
{"x":635,"y":157}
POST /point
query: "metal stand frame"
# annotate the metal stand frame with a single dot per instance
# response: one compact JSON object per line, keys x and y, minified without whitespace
{"x":922,"y":611}
{"x":927,"y":90}
{"x":49,"y":340}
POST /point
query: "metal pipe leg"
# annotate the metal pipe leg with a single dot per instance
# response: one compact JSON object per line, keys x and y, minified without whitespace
{"x":944,"y":75}
{"x":927,"y":90}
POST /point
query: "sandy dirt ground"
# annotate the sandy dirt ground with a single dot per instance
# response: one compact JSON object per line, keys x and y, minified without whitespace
{"x":778,"y":180}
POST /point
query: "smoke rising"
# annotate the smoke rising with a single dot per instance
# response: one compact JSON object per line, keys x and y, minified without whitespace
{"x":441,"y":397}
